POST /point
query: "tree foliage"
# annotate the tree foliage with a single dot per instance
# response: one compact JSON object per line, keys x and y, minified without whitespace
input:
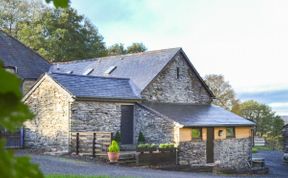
{"x":225,"y":95}
{"x":58,"y":34}
{"x":118,"y":49}
{"x":61,"y":35}
{"x":12,"y":115}
{"x":267,"y":122}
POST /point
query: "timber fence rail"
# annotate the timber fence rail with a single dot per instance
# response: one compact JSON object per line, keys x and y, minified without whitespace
{"x":90,"y":143}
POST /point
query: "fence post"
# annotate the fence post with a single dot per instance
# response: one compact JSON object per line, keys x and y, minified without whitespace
{"x":77,"y":143}
{"x":93,"y":144}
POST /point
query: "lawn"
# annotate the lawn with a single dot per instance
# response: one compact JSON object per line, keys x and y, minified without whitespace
{"x":255,"y":149}
{"x":78,"y":176}
{"x":74,"y":176}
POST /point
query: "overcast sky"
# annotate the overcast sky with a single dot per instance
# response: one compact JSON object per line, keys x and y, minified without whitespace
{"x":245,"y":40}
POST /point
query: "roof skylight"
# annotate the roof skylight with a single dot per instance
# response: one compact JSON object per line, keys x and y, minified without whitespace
{"x":88,"y":71}
{"x":110,"y":70}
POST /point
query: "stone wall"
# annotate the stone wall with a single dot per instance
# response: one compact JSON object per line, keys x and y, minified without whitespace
{"x":166,"y":88}
{"x":156,"y":129}
{"x":49,"y":129}
{"x":95,"y":116}
{"x":233,"y":153}
{"x":192,"y":153}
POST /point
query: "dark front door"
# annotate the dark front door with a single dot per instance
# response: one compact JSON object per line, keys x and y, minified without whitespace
{"x":210,"y":145}
{"x":127,"y":124}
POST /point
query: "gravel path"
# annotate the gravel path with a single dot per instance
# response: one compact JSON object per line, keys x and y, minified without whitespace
{"x":59,"y":165}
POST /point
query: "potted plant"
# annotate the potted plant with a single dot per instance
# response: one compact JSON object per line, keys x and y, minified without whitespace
{"x":166,"y":147}
{"x":113,"y":152}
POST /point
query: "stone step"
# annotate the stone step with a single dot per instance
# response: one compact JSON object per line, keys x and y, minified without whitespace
{"x":128,"y":147}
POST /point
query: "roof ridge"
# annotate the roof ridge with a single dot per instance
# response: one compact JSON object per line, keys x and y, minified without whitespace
{"x":91,"y":76}
{"x":115,"y":56}
{"x":18,"y":41}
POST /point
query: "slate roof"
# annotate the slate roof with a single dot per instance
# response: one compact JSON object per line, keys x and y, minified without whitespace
{"x":13,"y":53}
{"x":141,"y":68}
{"x":190,"y":115}
{"x":81,"y":86}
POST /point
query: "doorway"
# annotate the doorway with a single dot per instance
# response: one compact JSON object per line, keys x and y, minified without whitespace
{"x":210,"y":145}
{"x":127,"y":112}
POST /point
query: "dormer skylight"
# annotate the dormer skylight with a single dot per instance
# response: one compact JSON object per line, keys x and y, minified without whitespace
{"x":88,"y":71}
{"x":110,"y":70}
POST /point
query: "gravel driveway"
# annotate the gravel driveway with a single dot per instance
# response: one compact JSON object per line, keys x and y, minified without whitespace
{"x":59,"y":165}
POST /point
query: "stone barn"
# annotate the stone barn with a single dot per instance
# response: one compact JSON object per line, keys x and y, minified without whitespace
{"x":158,"y":93}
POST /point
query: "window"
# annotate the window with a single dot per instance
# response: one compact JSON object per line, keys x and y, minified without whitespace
{"x":11,"y":69}
{"x":230,"y":132}
{"x":178,"y":72}
{"x":110,"y":70}
{"x":196,"y":134}
{"x":88,"y":71}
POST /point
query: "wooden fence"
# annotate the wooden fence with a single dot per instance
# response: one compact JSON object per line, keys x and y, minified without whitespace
{"x":90,"y":143}
{"x":13,"y":139}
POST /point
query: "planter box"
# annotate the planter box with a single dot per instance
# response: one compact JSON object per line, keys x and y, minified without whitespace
{"x":167,"y":149}
{"x":142,"y":150}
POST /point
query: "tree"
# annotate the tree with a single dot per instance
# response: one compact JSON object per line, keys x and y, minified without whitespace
{"x":119,"y":49}
{"x":11,"y":12}
{"x":225,"y":95}
{"x":12,"y":115}
{"x":267,"y":122}
{"x":136,"y":48}
{"x":116,"y":49}
{"x":62,"y":35}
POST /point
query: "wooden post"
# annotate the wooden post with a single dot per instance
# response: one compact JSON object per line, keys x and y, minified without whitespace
{"x":93,"y":144}
{"x":77,"y":143}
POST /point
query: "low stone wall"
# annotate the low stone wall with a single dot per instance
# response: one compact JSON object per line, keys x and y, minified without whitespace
{"x":233,"y":153}
{"x":191,"y":153}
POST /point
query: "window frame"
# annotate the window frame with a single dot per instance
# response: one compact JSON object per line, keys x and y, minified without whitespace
{"x":234,"y":134}
{"x":178,"y":72}
{"x":200,"y":136}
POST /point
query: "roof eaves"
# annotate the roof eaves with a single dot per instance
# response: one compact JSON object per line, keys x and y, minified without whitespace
{"x":84,"y":98}
{"x":158,"y":113}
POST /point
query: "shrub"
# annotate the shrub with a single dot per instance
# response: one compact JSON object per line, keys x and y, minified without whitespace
{"x":117,"y":137}
{"x":141,"y":138}
{"x":147,"y":146}
{"x":166,"y":145}
{"x":114,"y":147}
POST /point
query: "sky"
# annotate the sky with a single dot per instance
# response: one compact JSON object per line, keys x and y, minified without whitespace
{"x":244,"y":40}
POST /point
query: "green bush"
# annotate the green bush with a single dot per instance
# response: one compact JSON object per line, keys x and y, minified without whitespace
{"x":141,"y":138}
{"x":114,"y":147}
{"x":117,"y":137}
{"x":147,"y":146}
{"x":166,"y":145}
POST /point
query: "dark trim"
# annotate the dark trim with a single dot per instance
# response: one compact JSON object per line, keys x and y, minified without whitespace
{"x":226,"y":125}
{"x":128,"y":100}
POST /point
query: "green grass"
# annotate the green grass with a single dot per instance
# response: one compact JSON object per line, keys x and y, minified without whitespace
{"x":73,"y":176}
{"x":77,"y":176}
{"x":255,"y":149}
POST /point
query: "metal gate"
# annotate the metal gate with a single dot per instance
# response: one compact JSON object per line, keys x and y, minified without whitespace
{"x":13,"y":139}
